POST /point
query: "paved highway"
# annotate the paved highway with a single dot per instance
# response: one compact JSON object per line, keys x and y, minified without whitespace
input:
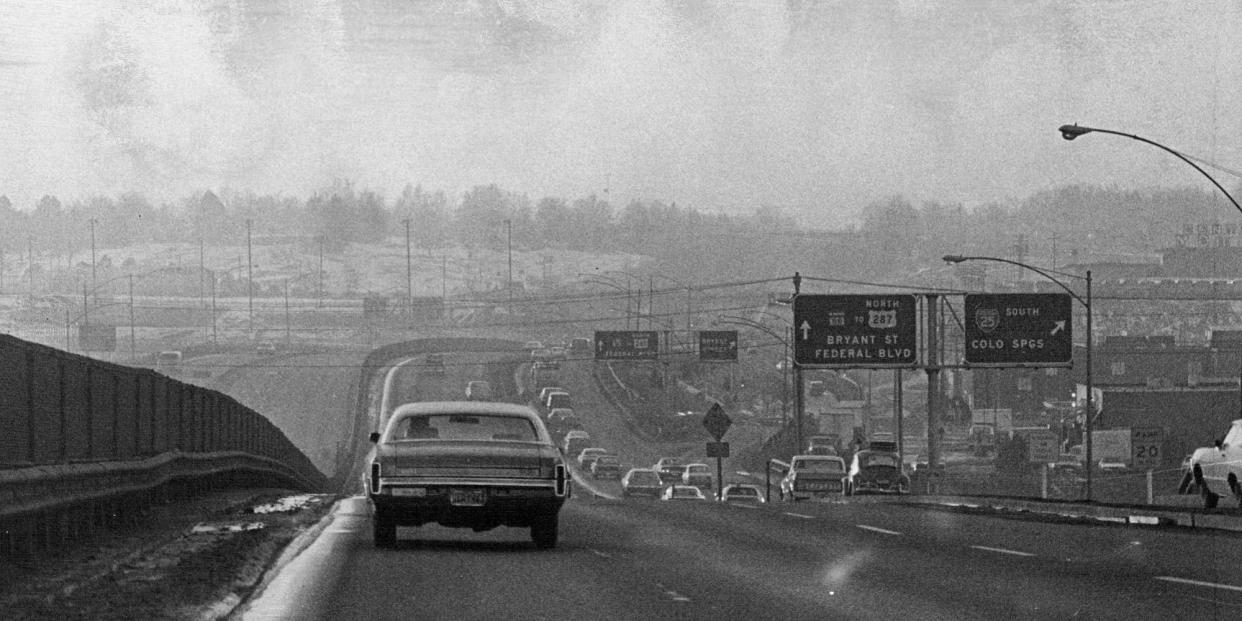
{"x":647,"y":559}
{"x":855,"y":558}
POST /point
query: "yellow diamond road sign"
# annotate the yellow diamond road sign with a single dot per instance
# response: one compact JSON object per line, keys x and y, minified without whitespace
{"x":716,"y":421}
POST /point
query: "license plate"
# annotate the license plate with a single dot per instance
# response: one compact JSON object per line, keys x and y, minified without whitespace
{"x":418,"y":492}
{"x":468,"y":497}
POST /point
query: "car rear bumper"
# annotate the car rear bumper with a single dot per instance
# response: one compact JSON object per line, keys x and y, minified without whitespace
{"x":500,"y":505}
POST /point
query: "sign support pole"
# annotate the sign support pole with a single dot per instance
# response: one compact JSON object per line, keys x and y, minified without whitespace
{"x":1043,"y":481}
{"x":720,"y":477}
{"x":933,"y":385}
{"x":1150,"y":497}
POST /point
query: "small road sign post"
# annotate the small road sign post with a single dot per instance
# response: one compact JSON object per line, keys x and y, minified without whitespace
{"x":1019,"y":329}
{"x":855,"y":331}
{"x":1042,"y":449}
{"x":1146,"y":452}
{"x":717,"y":424}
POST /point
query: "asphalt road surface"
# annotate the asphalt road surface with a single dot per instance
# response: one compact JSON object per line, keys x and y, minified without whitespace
{"x":855,"y":558}
{"x":650,"y":559}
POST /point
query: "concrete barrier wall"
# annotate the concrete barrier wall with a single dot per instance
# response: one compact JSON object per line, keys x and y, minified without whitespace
{"x":58,"y":409}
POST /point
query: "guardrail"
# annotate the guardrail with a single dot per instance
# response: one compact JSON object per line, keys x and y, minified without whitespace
{"x":74,"y":429}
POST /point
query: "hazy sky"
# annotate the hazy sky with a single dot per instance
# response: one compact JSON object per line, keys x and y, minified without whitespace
{"x":815,"y":105}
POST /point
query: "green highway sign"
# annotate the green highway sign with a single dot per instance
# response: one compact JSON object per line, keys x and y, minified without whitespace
{"x":855,"y":331}
{"x":718,"y":345}
{"x":1019,"y":329}
{"x":627,"y":345}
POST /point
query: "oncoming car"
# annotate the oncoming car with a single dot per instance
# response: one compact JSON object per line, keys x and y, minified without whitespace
{"x":465,"y":465}
{"x":738,"y":492}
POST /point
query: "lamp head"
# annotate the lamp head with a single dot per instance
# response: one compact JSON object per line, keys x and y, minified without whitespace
{"x":1070,"y":132}
{"x":953,"y":258}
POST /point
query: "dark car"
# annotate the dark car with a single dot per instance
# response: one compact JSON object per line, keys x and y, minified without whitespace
{"x":466,"y":464}
{"x":670,"y":469}
{"x":876,"y":470}
{"x":641,"y":482}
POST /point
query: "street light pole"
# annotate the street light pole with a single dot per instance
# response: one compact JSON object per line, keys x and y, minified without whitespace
{"x":1088,"y":417}
{"x":249,"y":278}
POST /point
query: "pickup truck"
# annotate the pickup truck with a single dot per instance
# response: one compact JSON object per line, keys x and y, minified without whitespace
{"x":1216,"y":470}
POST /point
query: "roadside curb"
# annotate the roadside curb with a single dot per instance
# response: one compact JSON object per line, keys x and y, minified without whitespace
{"x":1105,"y":514}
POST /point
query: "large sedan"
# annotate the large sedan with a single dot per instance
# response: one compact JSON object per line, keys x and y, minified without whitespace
{"x":641,"y":482}
{"x":469,"y":464}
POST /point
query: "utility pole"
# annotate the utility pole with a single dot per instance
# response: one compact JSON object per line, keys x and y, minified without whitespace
{"x":409,"y":274}
{"x":932,"y":307}
{"x":509,"y":234}
{"x":288,"y":339}
{"x":94,"y":280}
{"x":320,"y":292}
{"x":132,"y":339}
{"x":30,"y":264}
{"x":214,"y":337}
{"x":250,"y":278}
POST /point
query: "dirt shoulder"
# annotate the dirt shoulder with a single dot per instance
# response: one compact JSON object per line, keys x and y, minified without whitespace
{"x":194,"y":558}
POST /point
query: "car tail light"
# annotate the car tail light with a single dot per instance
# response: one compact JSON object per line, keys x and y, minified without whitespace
{"x":562,"y":480}
{"x":375,"y":477}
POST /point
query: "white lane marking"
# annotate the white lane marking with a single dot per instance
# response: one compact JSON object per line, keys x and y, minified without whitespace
{"x":874,"y":529}
{"x":799,"y":515}
{"x":742,"y":506}
{"x":1002,"y":551}
{"x":600,"y":554}
{"x":677,"y":597}
{"x":1214,"y":585}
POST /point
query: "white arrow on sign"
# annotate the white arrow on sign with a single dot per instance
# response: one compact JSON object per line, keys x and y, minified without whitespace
{"x":806,"y":329}
{"x":1060,"y":327}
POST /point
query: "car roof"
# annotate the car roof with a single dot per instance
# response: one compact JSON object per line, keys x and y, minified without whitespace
{"x":464,"y":407}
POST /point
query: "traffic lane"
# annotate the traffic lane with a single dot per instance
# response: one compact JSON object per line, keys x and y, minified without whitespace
{"x":440,"y":573}
{"x":839,"y":566}
{"x":1203,"y":555}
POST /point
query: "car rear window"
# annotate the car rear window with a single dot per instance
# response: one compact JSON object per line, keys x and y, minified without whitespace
{"x":817,"y":465}
{"x":644,"y":477}
{"x":465,"y":427}
{"x":743,"y":491}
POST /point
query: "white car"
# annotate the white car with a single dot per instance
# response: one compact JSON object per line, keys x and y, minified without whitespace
{"x":1217,"y":470}
{"x":682,"y":492}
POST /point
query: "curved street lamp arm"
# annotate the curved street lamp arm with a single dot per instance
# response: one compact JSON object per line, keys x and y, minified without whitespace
{"x":739,"y":321}
{"x":1069,"y":132}
{"x":1040,"y":271}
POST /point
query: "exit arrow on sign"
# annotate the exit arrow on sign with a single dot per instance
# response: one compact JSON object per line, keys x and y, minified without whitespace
{"x":806,"y":330}
{"x":1060,"y":327}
